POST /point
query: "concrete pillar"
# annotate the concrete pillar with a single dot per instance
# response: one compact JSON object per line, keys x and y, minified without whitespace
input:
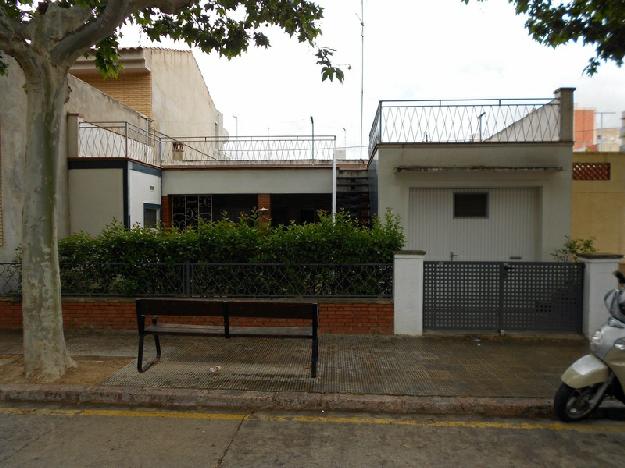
{"x":567,"y":110}
{"x":73,"y":121}
{"x":408,"y":292}
{"x":598,"y":279}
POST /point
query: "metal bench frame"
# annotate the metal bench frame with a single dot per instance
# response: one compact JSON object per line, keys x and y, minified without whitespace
{"x":225,"y":308}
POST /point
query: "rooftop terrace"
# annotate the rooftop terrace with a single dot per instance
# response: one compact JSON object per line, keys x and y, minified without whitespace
{"x":124,"y":140}
{"x":466,"y":121}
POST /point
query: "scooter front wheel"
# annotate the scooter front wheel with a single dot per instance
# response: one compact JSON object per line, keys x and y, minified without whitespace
{"x":574,"y":404}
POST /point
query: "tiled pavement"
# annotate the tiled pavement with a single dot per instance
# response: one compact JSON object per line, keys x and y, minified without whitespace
{"x":428,"y":366}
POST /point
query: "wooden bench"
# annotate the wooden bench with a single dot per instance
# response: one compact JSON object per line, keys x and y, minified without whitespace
{"x":152,"y":309}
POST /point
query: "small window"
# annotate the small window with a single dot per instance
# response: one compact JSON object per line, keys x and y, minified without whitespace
{"x":470,"y":205}
{"x":150,"y":215}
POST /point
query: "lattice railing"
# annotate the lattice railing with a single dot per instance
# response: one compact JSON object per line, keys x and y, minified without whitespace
{"x":10,"y":279}
{"x":180,"y":151}
{"x":591,"y":171}
{"x":466,"y":121}
{"x":217,"y":280}
{"x":118,"y":140}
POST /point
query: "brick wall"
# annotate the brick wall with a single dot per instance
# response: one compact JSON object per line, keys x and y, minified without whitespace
{"x":166,"y":210}
{"x":133,"y":90}
{"x":264,"y":202}
{"x":362,"y":317}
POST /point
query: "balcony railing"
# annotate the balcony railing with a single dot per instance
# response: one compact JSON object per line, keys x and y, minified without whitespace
{"x":198,"y":150}
{"x":118,"y":140}
{"x":466,"y":121}
{"x":124,"y":140}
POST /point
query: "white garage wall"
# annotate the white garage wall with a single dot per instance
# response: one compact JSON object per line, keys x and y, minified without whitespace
{"x":510,"y":230}
{"x":554,"y":186}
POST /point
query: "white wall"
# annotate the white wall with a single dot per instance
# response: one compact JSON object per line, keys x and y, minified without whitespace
{"x":139,"y":190}
{"x":95,"y":199}
{"x":181,"y":103}
{"x":394,"y":187}
{"x":247,"y":181}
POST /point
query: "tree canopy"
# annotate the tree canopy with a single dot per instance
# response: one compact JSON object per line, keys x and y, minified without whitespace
{"x":598,"y":23}
{"x":227,"y":27}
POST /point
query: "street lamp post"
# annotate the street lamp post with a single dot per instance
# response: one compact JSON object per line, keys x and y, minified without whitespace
{"x":236,"y":125}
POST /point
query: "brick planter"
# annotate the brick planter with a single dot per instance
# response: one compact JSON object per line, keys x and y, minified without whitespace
{"x":340,"y":316}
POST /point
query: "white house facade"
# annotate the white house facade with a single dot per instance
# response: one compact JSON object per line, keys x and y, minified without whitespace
{"x":476,"y":180}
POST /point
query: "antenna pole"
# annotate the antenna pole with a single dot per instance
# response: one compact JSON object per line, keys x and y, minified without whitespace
{"x":362,"y":68}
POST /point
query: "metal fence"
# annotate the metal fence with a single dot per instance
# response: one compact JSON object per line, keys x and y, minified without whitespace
{"x":466,"y":121}
{"x":181,"y":151}
{"x":118,"y":140}
{"x":125,"y":140}
{"x":220,"y":280}
{"x":503,"y":296}
{"x":10,"y":279}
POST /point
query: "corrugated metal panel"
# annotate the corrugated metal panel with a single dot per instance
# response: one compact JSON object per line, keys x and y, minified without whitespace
{"x":509,"y":233}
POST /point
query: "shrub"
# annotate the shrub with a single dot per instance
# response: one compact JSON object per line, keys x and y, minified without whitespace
{"x":246,"y":241}
{"x":572,"y":249}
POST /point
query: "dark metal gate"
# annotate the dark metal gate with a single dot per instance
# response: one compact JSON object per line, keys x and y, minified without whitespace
{"x":503,"y":296}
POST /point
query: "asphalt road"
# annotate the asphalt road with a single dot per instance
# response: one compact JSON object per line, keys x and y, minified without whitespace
{"x":70,"y":436}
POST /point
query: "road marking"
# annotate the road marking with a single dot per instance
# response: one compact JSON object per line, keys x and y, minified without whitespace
{"x":583,"y":427}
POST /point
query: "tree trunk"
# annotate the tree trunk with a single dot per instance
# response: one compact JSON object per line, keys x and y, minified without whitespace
{"x":45,"y":353}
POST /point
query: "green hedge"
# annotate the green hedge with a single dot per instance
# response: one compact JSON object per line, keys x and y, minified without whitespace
{"x":246,"y":241}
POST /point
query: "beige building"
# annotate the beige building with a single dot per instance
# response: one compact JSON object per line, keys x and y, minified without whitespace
{"x":165,"y":85}
{"x":598,"y":200}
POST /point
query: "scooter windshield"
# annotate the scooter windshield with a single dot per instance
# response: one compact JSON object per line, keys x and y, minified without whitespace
{"x":615,"y":302}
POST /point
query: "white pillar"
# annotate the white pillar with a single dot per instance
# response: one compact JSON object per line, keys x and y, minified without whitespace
{"x":408,"y":292}
{"x":598,"y":279}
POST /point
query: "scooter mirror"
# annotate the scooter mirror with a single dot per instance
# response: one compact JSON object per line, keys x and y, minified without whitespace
{"x":620,"y":277}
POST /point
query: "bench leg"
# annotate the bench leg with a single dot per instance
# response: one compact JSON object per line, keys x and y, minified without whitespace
{"x":313,"y":358}
{"x":157,"y":343}
{"x":314,"y":355}
{"x":140,"y":354}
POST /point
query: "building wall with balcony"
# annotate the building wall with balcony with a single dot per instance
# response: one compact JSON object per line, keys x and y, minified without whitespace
{"x":485,"y":180}
{"x":88,"y":102}
{"x":181,"y":103}
{"x":165,"y":85}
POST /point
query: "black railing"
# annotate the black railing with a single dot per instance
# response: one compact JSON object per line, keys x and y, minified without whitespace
{"x":220,"y":280}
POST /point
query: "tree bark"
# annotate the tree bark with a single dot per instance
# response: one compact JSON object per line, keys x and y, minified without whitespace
{"x":45,"y":353}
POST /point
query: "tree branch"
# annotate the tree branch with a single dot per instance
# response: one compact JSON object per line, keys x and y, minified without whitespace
{"x":169,"y":7}
{"x":13,"y":43}
{"x":79,"y":41}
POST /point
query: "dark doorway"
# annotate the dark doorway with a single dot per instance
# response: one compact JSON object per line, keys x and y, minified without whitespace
{"x":298,"y":207}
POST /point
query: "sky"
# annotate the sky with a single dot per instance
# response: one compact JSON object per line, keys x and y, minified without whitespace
{"x":414,"y":49}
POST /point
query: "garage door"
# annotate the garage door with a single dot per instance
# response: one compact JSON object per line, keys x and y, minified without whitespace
{"x":494,"y":224}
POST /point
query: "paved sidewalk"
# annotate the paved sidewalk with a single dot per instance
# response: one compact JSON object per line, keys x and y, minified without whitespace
{"x":366,"y":365}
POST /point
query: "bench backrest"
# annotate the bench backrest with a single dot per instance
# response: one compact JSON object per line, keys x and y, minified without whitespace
{"x":232,"y":308}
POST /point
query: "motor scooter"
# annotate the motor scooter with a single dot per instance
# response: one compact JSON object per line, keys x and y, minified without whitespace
{"x":602,"y":372}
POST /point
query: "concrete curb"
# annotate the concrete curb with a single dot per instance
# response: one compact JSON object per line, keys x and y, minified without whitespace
{"x":284,"y":401}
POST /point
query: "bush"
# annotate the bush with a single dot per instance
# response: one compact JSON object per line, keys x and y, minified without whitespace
{"x":247,"y":241}
{"x":572,"y":249}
